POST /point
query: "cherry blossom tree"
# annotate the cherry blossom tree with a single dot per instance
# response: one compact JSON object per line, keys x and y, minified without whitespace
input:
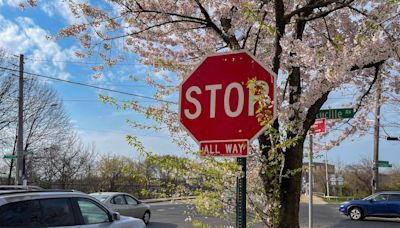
{"x":316,"y":47}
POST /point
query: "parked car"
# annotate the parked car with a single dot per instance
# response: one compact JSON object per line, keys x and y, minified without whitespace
{"x":125,"y":204}
{"x":382,"y":204}
{"x":58,"y":209}
{"x":19,"y":187}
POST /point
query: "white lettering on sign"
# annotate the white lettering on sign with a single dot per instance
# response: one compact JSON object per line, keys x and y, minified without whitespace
{"x":235,"y":148}
{"x":193,"y":101}
{"x":213,"y":89}
{"x":211,"y":149}
{"x":227,"y":96}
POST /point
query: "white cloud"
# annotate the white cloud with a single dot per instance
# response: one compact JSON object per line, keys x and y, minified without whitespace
{"x":12,"y":3}
{"x":25,"y":37}
{"x":12,"y":38}
{"x":60,"y":8}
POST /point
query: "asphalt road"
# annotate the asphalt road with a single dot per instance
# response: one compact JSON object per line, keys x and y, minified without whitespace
{"x":173,"y":215}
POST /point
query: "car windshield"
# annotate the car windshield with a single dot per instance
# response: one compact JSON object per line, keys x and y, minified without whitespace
{"x":100,"y":197}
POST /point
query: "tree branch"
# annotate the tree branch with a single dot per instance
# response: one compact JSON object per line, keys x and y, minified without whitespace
{"x":321,"y":14}
{"x":232,"y":43}
{"x":258,"y":33}
{"x":246,"y":36}
{"x":376,"y":74}
{"x":380,"y":24}
{"x":151,"y":27}
{"x":309,"y":7}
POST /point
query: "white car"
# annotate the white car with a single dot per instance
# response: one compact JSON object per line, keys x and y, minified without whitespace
{"x":125,"y":204}
{"x":59,"y":209}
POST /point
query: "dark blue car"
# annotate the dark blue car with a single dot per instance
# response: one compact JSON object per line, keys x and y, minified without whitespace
{"x":382,"y":204}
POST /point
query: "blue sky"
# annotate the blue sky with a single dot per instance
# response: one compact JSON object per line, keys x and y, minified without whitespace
{"x":24,"y":31}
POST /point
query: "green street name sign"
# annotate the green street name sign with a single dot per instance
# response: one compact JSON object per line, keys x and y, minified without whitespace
{"x":384,"y":165}
{"x":9,"y":156}
{"x":340,"y":113}
{"x":12,"y":156}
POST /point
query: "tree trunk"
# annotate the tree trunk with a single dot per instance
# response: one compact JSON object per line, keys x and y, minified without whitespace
{"x":290,"y":187}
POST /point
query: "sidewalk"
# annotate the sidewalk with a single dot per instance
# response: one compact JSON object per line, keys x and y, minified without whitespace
{"x":316,"y":199}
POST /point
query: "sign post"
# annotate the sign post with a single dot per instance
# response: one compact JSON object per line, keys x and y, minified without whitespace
{"x":310,"y":184}
{"x":217,"y":107}
{"x":241,"y":195}
{"x":318,"y":127}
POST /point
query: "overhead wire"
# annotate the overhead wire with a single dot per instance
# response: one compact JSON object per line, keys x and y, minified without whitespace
{"x":79,"y":62}
{"x":91,"y":86}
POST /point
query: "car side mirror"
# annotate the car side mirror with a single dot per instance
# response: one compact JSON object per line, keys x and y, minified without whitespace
{"x":116,"y":216}
{"x":371,"y":200}
{"x":139,"y":202}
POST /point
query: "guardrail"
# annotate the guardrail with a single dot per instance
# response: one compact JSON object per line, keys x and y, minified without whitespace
{"x":167,"y":199}
{"x":322,"y":195}
{"x":340,"y":197}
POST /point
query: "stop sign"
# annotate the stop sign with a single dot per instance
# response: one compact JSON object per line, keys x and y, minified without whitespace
{"x":217,"y":107}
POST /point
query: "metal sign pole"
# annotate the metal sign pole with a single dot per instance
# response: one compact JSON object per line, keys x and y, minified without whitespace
{"x":241,"y":195}
{"x":310,"y":185}
{"x":326,"y":174}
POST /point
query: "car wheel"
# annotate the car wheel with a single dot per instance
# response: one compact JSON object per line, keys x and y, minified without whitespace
{"x":146,"y":217}
{"x":356,"y":213}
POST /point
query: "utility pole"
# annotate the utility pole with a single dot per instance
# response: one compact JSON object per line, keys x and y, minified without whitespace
{"x":375,"y":168}
{"x":20,"y":139}
{"x":326,"y":174}
{"x":310,"y":184}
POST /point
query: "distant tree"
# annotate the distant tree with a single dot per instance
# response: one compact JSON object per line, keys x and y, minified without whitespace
{"x":393,"y":179}
{"x":358,"y":177}
{"x":8,"y":100}
{"x":47,"y":128}
{"x":169,"y":171}
{"x":63,"y":164}
{"x":119,"y":173}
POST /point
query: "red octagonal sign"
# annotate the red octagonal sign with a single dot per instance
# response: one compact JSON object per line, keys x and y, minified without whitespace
{"x":216,"y":106}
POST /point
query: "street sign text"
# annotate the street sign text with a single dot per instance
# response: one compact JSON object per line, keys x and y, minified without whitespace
{"x":340,"y":113}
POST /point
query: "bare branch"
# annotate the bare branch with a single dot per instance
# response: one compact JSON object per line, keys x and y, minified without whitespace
{"x":151,"y":27}
{"x":231,"y":41}
{"x":258,"y":33}
{"x":377,"y":67}
{"x":314,"y":5}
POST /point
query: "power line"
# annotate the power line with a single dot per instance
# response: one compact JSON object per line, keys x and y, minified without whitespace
{"x":93,"y":100}
{"x":91,"y":86}
{"x":81,"y":62}
{"x":117,"y":84}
